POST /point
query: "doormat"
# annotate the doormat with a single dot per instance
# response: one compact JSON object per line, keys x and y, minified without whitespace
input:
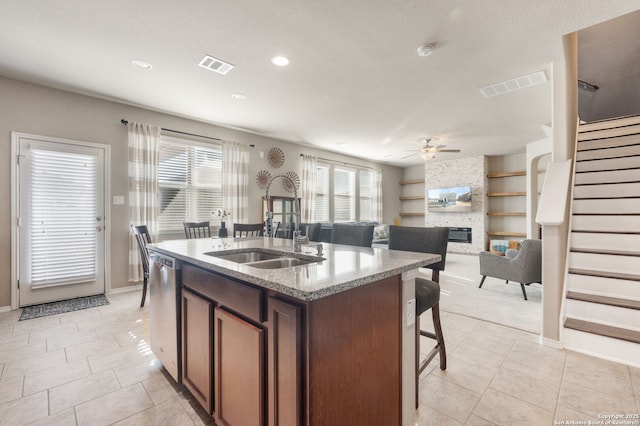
{"x":54,"y":308}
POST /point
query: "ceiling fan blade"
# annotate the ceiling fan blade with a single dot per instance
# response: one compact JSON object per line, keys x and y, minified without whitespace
{"x":407,"y":156}
{"x":448,"y":150}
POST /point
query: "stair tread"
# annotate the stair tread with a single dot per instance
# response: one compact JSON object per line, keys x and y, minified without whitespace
{"x":605,"y":274}
{"x":606,"y":251}
{"x":603,"y":329}
{"x":604,"y":300}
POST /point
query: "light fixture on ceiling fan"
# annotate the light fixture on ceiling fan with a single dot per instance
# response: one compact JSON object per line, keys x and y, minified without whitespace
{"x":429,"y":151}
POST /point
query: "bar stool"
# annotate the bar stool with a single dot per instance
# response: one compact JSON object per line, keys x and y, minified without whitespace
{"x":425,"y":240}
{"x":353,"y":235}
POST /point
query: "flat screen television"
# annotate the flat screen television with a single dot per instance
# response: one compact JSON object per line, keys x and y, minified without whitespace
{"x":449,"y":200}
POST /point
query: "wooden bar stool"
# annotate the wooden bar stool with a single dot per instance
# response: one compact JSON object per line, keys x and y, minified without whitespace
{"x":425,"y":240}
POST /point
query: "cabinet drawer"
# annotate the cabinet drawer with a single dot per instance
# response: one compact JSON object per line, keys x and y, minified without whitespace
{"x":237,"y":297}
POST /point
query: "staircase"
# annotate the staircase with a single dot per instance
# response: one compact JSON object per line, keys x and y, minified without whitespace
{"x":602,"y":301}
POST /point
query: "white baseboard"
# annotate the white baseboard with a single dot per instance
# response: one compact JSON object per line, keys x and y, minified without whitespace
{"x":4,"y":309}
{"x":551,"y":343}
{"x":135,"y":287}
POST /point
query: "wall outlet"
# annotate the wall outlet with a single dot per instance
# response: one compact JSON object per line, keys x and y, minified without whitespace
{"x":118,"y":200}
{"x":411,"y":312}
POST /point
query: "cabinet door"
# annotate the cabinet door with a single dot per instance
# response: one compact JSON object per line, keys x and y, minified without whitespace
{"x":197,"y":348}
{"x":239,"y":350}
{"x":285,"y":362}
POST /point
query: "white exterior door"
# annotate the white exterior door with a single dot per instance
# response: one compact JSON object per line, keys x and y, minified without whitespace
{"x":61,"y":220}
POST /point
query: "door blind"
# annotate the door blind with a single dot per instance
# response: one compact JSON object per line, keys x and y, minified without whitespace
{"x":63,"y":218}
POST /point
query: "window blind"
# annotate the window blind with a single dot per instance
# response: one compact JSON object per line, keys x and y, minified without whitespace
{"x":322,"y":194}
{"x":366,"y":185}
{"x":344,"y":195}
{"x":63,"y":218}
{"x":189,"y":183}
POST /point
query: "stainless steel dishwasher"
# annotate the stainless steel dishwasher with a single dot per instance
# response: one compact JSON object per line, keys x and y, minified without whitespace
{"x":164,"y":281}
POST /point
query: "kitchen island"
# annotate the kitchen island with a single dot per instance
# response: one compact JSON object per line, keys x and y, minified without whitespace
{"x":280,"y":338}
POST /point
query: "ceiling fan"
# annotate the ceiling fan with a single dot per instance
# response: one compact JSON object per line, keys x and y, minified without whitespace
{"x":428,"y":151}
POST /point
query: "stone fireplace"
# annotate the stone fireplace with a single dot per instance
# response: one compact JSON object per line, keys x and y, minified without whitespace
{"x":469,"y":229}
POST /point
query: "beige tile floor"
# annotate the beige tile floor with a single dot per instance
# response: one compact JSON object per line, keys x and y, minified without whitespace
{"x":94,"y":367}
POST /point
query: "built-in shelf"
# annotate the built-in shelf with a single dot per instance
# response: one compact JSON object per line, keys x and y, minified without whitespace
{"x":506,"y":234}
{"x":505,"y":205}
{"x":412,"y":195}
{"x":506,"y":174}
{"x":506,"y":194}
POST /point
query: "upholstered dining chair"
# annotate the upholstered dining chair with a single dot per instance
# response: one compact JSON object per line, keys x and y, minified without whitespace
{"x":425,"y":240}
{"x":311,"y":230}
{"x":523,"y":266}
{"x":352,"y":235}
{"x":248,"y":230}
{"x":142,"y":236}
{"x":197,"y":229}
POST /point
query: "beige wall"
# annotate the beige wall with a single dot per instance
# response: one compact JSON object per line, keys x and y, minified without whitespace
{"x":35,"y":109}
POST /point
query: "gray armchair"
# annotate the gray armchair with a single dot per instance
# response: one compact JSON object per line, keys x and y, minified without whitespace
{"x":523,"y":266}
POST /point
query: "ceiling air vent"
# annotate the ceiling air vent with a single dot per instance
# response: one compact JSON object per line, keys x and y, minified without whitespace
{"x":214,"y":64}
{"x":514,"y":84}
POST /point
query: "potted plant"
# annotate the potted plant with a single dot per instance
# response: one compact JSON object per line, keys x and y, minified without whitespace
{"x":222,"y":214}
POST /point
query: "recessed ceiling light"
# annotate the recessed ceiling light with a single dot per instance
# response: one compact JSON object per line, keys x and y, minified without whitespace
{"x":280,"y":61}
{"x":425,"y":50}
{"x":144,"y":65}
{"x":238,"y":97}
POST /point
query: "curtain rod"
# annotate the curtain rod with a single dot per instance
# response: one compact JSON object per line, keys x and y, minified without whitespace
{"x":125,"y":122}
{"x":345,"y":163}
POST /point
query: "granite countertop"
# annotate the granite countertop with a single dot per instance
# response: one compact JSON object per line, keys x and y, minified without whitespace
{"x":342,"y":268}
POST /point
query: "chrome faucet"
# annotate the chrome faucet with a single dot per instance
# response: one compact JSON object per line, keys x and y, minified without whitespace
{"x":296,"y":213}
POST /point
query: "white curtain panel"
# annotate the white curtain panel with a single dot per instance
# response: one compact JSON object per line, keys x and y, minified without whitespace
{"x":235,"y":180}
{"x":308,"y":186}
{"x":143,"y":187}
{"x":376,"y":196}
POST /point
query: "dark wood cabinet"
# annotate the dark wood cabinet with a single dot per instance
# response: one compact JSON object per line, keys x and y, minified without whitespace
{"x":197,"y":346}
{"x":239,"y":350}
{"x":257,"y":357}
{"x":285,"y":363}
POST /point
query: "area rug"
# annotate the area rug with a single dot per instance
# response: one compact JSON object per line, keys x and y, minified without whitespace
{"x":495,"y":302}
{"x":54,"y":308}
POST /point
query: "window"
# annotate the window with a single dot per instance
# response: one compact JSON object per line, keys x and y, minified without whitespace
{"x":366,"y":196}
{"x":189,"y":181}
{"x":345,"y":194}
{"x":322,"y":194}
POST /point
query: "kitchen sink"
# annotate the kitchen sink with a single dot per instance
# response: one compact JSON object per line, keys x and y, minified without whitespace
{"x":281,"y":262}
{"x":265,"y":260}
{"x":246,"y":257}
